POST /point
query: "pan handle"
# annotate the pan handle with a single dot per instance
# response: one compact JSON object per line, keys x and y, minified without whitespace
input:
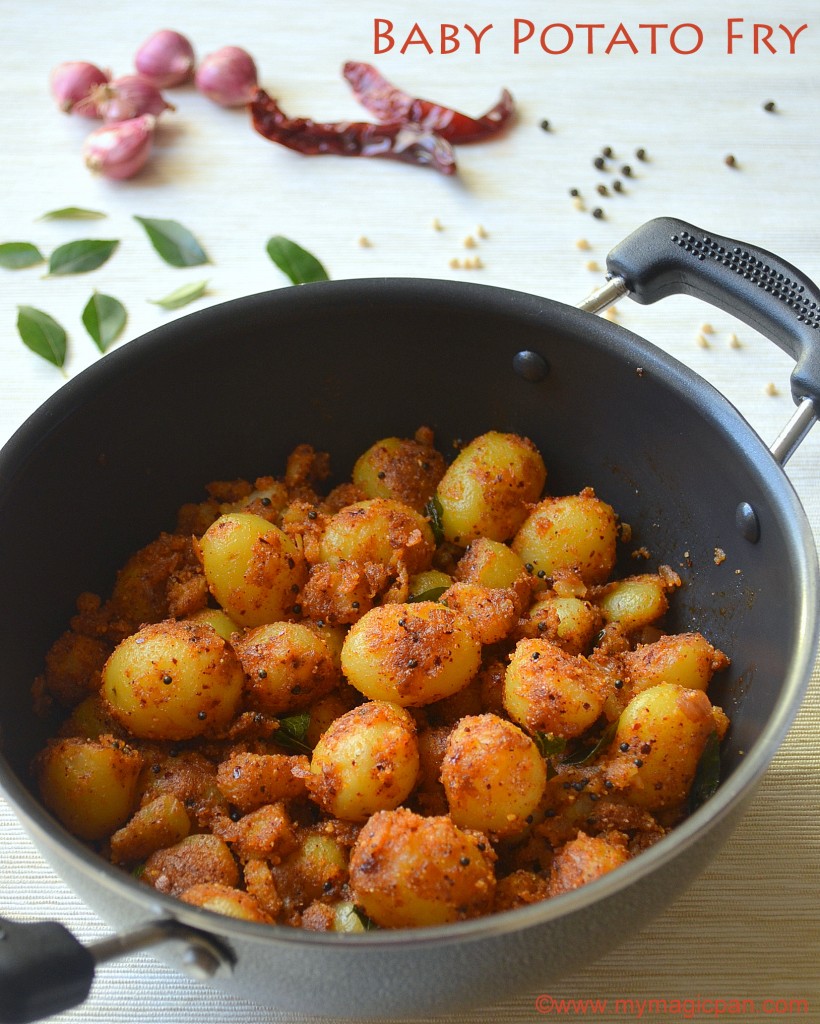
{"x":668,"y":257}
{"x":44,"y":969}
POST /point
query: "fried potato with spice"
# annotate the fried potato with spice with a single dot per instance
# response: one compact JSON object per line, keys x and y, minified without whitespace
{"x":288,"y":667}
{"x":487,"y":488}
{"x":366,"y":761}
{"x":225,"y":900}
{"x":575,"y":533}
{"x":661,"y":735}
{"x":411,"y":654}
{"x":570,"y":623}
{"x":400,"y":468}
{"x":547,"y":690}
{"x":380,"y":530}
{"x":493,"y":775}
{"x":173,"y":681}
{"x":490,"y":564}
{"x":686,"y":659}
{"x":407,"y":871}
{"x":91,"y":785}
{"x":252,"y":568}
{"x":195,"y":860}
{"x":250,"y":780}
{"x":491,"y":611}
{"x":584,"y":859}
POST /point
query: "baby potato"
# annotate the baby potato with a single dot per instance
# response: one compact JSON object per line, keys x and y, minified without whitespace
{"x":491,"y":611}
{"x":318,"y":867}
{"x":575,"y":533}
{"x":584,"y":859}
{"x":633,"y":602}
{"x":486,"y":490}
{"x":173,"y":681}
{"x":568,"y":622}
{"x":426,"y":581}
{"x":686,"y":659}
{"x":252,"y":568}
{"x":159,"y":824}
{"x":216,"y":619}
{"x":379,"y":530}
{"x":490,"y":564}
{"x":366,"y":761}
{"x":411,"y":654}
{"x":222,"y":899}
{"x":663,"y":732}
{"x":90,"y":785}
{"x":288,"y":667}
{"x":548,"y":690}
{"x":493,"y":775}
{"x":407,"y":871}
{"x":399,"y":468}
{"x":195,"y":860}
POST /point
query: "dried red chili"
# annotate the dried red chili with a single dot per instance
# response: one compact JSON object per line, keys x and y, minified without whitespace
{"x":388,"y":103}
{"x":395,"y":140}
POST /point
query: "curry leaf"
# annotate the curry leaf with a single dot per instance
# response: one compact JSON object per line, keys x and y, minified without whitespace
{"x":433,"y":594}
{"x":707,"y":774}
{"x":73,"y":213}
{"x":42,"y":334}
{"x":104,"y":318}
{"x":297,"y":263}
{"x":434,"y":513}
{"x":19,"y":255}
{"x":181,"y":296}
{"x":587,"y":754}
{"x":549,"y":745}
{"x":81,"y":256}
{"x":174,"y":242}
{"x":292,"y":733}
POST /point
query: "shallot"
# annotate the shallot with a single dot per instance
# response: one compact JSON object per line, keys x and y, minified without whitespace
{"x":166,"y":58}
{"x":119,"y":149}
{"x":72,"y":82}
{"x":228,"y":77}
{"x":127,"y":97}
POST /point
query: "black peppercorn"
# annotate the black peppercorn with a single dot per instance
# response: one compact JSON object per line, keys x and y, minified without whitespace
{"x":545,"y":125}
{"x":617,"y":185}
{"x":626,"y":170}
{"x":598,"y":213}
{"x":574,"y":193}
{"x":599,"y":162}
{"x":641,"y":153}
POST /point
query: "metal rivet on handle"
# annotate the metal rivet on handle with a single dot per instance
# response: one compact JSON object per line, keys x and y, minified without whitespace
{"x":199,"y":963}
{"x":747,"y":523}
{"x":530,"y":365}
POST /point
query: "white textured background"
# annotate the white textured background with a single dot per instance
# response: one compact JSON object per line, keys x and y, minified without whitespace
{"x":749,"y":928}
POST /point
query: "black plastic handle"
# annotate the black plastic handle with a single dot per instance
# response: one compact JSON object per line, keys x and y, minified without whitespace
{"x":43,"y":970}
{"x":670,"y":257}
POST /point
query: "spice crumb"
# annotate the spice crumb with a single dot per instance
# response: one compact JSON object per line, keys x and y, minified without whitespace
{"x":481,"y":231}
{"x":437,"y":225}
{"x":612,"y":314}
{"x":455,"y":263}
{"x":770,"y":106}
{"x":720,"y":556}
{"x":730,"y":160}
{"x":469,"y":242}
{"x":707,"y":329}
{"x":365,"y":242}
{"x":771,"y":389}
{"x":592,"y":265}
{"x":582,"y":244}
{"x":703,"y":341}
{"x":640,"y":553}
{"x":734,"y":341}
{"x":477,"y":264}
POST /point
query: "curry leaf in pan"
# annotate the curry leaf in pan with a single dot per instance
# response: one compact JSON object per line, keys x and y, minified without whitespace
{"x":585,"y":755}
{"x":434,"y":514}
{"x":292,"y":733}
{"x":707,"y":774}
